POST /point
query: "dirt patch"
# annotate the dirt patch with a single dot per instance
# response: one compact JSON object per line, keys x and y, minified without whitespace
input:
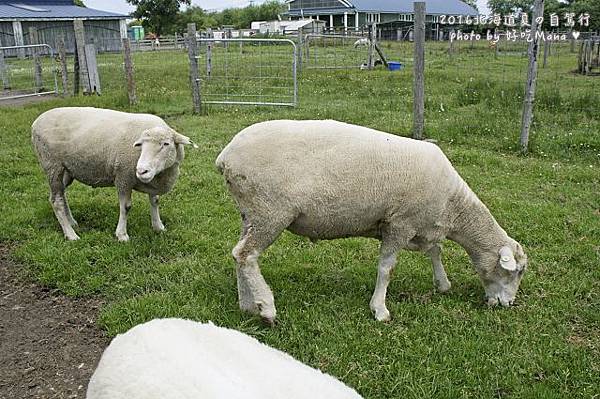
{"x":49,"y":344}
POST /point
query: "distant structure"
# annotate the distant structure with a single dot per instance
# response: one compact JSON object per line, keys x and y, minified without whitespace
{"x":54,"y":18}
{"x":289,"y":27}
{"x":354,"y":14}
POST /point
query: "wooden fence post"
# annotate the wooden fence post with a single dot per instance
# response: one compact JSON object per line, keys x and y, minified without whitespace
{"x":371,"y":59}
{"x":194,"y":73}
{"x":419,"y":71}
{"x":37,"y":62}
{"x":129,"y":72}
{"x":546,"y":53}
{"x":92,"y":69}
{"x":80,"y":57}
{"x":531,"y":77}
{"x":4,"y":73}
{"x":64,"y":72}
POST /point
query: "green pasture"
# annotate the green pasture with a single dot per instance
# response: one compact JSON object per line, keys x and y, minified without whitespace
{"x":443,"y":346}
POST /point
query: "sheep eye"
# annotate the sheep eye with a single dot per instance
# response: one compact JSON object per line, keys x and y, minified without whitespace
{"x":165,"y":144}
{"x":138,"y":144}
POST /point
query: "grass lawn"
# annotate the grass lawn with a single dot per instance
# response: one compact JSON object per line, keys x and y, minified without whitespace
{"x":443,"y":346}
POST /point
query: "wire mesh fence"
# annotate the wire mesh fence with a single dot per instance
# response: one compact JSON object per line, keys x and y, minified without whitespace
{"x":334,"y":51}
{"x":27,"y":71}
{"x":248,"y":71}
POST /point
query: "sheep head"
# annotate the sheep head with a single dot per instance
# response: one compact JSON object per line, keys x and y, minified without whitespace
{"x":160,"y":148}
{"x":501,"y":273}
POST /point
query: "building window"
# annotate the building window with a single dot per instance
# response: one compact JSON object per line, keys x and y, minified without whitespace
{"x":373,"y":17}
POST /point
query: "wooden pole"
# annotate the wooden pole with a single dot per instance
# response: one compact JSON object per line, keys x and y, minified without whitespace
{"x":76,"y":72}
{"x":194,"y":73}
{"x":84,"y":76}
{"x":129,"y":72}
{"x":546,"y":52}
{"x":64,"y":72}
{"x":419,"y":71}
{"x":531,"y":77}
{"x":37,"y":62}
{"x":372,"y":38}
{"x":4,"y":75}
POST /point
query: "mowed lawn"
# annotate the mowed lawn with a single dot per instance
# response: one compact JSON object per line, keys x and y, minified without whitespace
{"x":443,"y":346}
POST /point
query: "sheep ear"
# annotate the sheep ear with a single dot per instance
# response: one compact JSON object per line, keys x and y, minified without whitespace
{"x":181,"y":139}
{"x":507,"y":259}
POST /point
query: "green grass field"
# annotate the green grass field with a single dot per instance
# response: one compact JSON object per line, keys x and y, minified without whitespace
{"x":443,"y":346}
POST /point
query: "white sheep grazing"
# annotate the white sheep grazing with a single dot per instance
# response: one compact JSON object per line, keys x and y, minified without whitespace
{"x":183,"y":359}
{"x":361,"y":42}
{"x":100,"y":148}
{"x":327,"y":179}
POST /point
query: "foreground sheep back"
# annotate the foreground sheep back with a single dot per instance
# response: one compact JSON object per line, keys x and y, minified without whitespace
{"x":100,"y":148}
{"x":327,"y":179}
{"x":182,"y":359}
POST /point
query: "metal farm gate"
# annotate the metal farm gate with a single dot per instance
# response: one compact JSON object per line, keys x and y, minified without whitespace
{"x":248,"y":71}
{"x":27,"y":71}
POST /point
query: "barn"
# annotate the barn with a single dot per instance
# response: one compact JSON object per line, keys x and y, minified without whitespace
{"x":357,"y":13}
{"x":54,"y":19}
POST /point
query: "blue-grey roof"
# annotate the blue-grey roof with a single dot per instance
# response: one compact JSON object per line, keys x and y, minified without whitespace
{"x":50,"y":9}
{"x":439,"y":7}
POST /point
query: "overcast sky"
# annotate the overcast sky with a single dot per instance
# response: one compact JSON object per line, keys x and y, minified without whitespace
{"x":122,"y":6}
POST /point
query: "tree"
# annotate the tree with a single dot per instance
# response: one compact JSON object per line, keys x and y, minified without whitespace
{"x":472,"y":3}
{"x":506,"y":7}
{"x":79,"y":3}
{"x":158,"y":16}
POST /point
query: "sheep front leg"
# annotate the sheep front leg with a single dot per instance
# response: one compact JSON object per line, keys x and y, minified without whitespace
{"x":124,"y":207}
{"x":157,"y":224}
{"x":387,"y":261}
{"x":440,"y":279}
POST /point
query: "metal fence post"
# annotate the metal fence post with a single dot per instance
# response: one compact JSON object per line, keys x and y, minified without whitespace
{"x":129,"y":72}
{"x":208,"y":59}
{"x":4,"y":74}
{"x":194,"y":73}
{"x":64,"y":73}
{"x":531,"y":77}
{"x":419,"y":71}
{"x":37,"y":62}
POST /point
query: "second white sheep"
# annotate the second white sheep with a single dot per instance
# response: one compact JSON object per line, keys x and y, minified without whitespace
{"x":102,"y":147}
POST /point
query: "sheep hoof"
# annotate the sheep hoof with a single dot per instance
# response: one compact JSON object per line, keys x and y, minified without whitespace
{"x":159,"y":228}
{"x":72,"y":237}
{"x":123,"y":237}
{"x":271,"y":322}
{"x":383,"y":315}
{"x":443,"y":287}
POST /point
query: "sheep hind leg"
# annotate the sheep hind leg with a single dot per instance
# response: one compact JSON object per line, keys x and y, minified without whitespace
{"x":254,"y":294}
{"x":124,"y":207}
{"x":387,"y":261}
{"x":440,"y":279}
{"x":67,"y":180}
{"x":59,"y":203}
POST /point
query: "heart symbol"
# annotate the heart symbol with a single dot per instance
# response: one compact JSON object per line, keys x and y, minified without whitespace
{"x":576,"y":35}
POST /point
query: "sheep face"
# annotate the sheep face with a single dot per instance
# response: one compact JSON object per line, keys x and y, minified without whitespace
{"x":158,"y":151}
{"x":501,"y":280}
